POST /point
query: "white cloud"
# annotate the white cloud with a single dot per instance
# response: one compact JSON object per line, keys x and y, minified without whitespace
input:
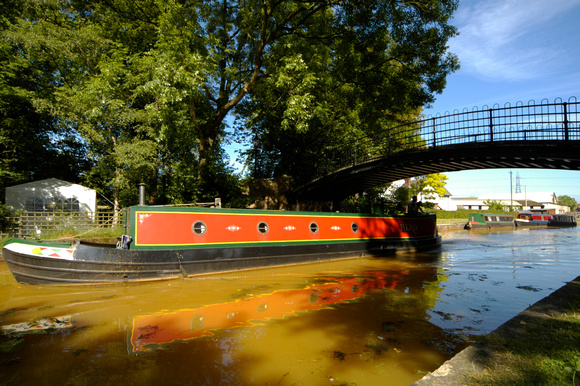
{"x":512,"y":39}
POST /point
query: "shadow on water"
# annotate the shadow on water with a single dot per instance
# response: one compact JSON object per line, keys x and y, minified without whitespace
{"x":350,"y":321}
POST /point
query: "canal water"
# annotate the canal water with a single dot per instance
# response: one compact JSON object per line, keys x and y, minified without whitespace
{"x":363,"y":321}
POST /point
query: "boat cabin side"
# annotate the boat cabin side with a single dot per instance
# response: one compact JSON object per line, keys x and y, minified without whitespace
{"x":564,"y":218}
{"x":170,"y":227}
{"x":481,"y":218}
{"x":529,"y":216}
{"x":488,"y":220}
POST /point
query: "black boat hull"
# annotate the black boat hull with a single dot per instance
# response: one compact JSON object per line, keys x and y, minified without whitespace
{"x":100,"y":265}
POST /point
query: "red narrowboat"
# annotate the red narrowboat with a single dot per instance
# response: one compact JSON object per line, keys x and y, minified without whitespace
{"x":529,"y":219}
{"x":174,"y":242}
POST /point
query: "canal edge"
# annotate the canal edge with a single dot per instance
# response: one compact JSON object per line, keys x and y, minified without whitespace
{"x":469,"y":361}
{"x":453,"y":225}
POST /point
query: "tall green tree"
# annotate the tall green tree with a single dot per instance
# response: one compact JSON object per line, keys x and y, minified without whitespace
{"x":372,"y":67}
{"x":148,"y":84}
{"x":429,"y":186}
{"x":32,"y":144}
{"x":97,"y":52}
{"x":568,"y":201}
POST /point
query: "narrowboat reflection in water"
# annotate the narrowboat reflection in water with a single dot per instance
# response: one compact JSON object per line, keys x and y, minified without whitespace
{"x":151,"y":331}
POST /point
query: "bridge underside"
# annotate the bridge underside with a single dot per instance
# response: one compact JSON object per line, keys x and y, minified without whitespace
{"x":489,"y":155}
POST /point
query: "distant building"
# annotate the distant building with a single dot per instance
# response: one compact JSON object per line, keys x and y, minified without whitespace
{"x":546,"y":202}
{"x":51,"y":195}
{"x":444,"y":202}
{"x":469,"y":203}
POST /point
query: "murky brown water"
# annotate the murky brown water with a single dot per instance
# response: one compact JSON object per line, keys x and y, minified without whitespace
{"x":361,"y":321}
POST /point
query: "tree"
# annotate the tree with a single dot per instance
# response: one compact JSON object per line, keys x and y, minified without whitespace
{"x":568,"y":201}
{"x":495,"y":205}
{"x":373,"y":65}
{"x":148,"y":84}
{"x":32,"y":144}
{"x":95,"y":54}
{"x":430,"y":186}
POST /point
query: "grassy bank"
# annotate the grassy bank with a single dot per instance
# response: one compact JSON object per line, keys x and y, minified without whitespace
{"x":541,"y":347}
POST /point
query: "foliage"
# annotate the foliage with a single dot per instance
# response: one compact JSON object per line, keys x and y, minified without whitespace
{"x":494,"y":205}
{"x":145,"y":86}
{"x":396,"y":201}
{"x":32,"y":145}
{"x":401,"y":198}
{"x":371,"y":201}
{"x":428,"y":205}
{"x":429,"y":186}
{"x":6,"y":212}
{"x":568,"y":201}
{"x":381,"y":200}
{"x":373,"y":66}
{"x":498,"y":206}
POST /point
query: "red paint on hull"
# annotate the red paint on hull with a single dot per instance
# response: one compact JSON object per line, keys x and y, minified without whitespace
{"x":159,"y":228}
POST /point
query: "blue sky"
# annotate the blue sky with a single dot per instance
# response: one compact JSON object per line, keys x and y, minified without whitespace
{"x":510,"y":51}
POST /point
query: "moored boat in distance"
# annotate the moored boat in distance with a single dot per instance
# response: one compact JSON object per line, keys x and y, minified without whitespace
{"x":175,"y":242}
{"x":530,"y":219}
{"x":562,"y":220}
{"x":488,"y":221}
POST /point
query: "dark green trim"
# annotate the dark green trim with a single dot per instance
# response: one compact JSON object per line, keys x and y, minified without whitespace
{"x":260,"y":211}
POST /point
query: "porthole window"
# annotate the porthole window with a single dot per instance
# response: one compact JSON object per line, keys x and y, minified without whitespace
{"x":354,"y":227}
{"x":199,"y":228}
{"x":263,"y":228}
{"x":313,"y":227}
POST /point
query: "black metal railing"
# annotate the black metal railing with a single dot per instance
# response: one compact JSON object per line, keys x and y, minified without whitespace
{"x":546,"y":121}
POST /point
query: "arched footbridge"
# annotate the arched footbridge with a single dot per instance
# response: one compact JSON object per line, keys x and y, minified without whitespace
{"x":544,"y":135}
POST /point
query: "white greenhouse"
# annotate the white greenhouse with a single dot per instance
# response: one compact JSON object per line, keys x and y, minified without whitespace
{"x":52,"y":195}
